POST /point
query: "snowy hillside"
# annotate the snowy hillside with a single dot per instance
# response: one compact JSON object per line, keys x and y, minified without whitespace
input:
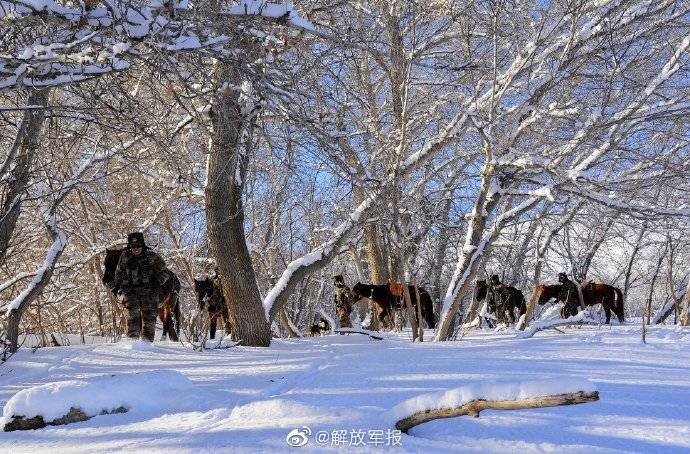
{"x":340,"y":391}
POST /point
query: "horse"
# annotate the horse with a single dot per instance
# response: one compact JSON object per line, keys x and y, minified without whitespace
{"x":210,"y":296}
{"x":547,"y":292}
{"x":511,"y":299}
{"x":383,"y":301}
{"x":610,"y":298}
{"x":168,"y":294}
{"x":386,"y":302}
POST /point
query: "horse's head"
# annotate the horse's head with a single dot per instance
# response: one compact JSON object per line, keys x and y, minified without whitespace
{"x":360,"y":291}
{"x":112,"y":257}
{"x":480,"y":290}
{"x":339,"y":280}
{"x":203,"y":290}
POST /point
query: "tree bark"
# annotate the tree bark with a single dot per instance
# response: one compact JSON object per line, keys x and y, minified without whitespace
{"x":227,"y":168}
{"x":22,"y":154}
{"x":38,"y":283}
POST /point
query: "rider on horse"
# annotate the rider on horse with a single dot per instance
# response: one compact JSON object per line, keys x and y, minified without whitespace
{"x":499,"y":294}
{"x":569,"y":294}
{"x":139,"y":275}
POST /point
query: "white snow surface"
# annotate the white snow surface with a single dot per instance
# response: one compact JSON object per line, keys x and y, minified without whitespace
{"x":248,"y":400}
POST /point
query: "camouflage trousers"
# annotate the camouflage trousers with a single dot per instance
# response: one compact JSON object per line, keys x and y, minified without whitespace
{"x":344,"y":311}
{"x":142,"y":308}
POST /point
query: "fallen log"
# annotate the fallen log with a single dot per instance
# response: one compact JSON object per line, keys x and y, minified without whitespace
{"x":582,"y":318}
{"x":357,"y":331}
{"x":472,"y":399}
{"x":474,"y":407}
{"x":37,"y":422}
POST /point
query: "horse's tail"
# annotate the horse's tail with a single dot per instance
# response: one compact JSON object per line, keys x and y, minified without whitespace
{"x":523,"y":303}
{"x":428,"y":308}
{"x":619,"y":305}
{"x":177,"y":313}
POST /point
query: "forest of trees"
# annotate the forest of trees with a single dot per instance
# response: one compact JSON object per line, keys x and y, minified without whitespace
{"x":428,"y":141}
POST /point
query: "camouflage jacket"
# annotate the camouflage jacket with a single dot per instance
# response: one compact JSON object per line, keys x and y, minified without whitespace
{"x":569,"y":293}
{"x":146,"y":270}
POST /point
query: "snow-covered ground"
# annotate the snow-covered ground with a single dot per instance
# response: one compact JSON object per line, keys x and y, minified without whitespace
{"x":339,"y":392}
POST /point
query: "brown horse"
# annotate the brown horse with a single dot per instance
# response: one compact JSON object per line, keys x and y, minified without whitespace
{"x":386,"y":302}
{"x":546,"y":292}
{"x":168,"y":303}
{"x":610,"y":298}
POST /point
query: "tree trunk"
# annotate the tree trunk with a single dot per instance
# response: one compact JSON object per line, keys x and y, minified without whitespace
{"x":631,"y":261}
{"x":37,"y":284}
{"x":685,"y":306}
{"x":440,"y":251}
{"x":22,"y":154}
{"x":468,"y":263}
{"x":227,"y":167}
{"x":655,"y":276}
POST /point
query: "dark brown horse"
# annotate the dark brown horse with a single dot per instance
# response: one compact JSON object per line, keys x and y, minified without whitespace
{"x":386,"y":302}
{"x":210,"y":297}
{"x":507,"y":302}
{"x":168,"y":303}
{"x":610,"y":298}
{"x":547,"y":292}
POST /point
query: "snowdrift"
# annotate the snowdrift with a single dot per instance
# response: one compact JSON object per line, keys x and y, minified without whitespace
{"x":157,"y":391}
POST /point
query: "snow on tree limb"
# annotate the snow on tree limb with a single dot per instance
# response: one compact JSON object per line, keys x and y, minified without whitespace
{"x":100,"y":39}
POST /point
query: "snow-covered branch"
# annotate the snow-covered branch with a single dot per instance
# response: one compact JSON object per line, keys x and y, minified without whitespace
{"x":96,"y":40}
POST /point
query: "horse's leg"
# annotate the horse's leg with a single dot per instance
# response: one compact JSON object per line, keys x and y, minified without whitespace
{"x":212,"y":329}
{"x":175,"y":321}
{"x":607,"y":311}
{"x":161,"y":316}
{"x":170,"y":324}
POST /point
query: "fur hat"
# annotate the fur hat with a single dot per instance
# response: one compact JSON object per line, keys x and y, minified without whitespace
{"x":136,"y":239}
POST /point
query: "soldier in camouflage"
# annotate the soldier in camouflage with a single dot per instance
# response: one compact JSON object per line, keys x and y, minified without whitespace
{"x":343,"y":301}
{"x":498,"y":295}
{"x":139,"y":275}
{"x":569,"y":295}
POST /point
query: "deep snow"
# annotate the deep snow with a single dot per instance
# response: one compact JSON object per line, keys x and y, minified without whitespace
{"x":250,"y":399}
